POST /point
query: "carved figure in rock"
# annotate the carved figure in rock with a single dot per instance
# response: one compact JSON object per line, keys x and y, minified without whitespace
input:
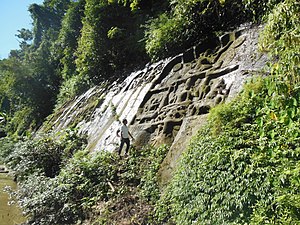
{"x":124,"y":134}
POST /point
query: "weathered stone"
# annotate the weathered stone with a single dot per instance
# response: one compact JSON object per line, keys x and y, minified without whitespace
{"x":206,"y":46}
{"x":177,"y":67}
{"x":188,"y":56}
{"x":167,"y":101}
{"x":189,"y":128}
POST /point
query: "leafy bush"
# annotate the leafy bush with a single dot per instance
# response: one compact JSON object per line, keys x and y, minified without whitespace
{"x":6,"y":148}
{"x":192,"y":21}
{"x":43,"y":155}
{"x":189,"y":23}
{"x":281,"y":39}
{"x":47,"y":201}
{"x":70,"y":88}
{"x":60,"y":185}
{"x":153,"y":158}
{"x":259,"y":9}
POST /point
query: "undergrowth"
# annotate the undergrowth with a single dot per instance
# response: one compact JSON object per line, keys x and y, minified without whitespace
{"x":244,"y":166}
{"x":238,"y":171}
{"x":61,"y":183}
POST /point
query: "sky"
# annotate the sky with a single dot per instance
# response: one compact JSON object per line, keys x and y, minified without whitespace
{"x":14,"y":16}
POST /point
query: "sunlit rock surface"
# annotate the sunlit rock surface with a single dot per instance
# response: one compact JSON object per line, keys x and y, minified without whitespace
{"x":166,"y":102}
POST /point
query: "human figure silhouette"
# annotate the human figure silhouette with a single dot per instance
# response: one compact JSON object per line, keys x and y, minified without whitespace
{"x":124,"y":134}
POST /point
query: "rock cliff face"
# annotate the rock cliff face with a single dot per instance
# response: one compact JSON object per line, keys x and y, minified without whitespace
{"x":167,"y":102}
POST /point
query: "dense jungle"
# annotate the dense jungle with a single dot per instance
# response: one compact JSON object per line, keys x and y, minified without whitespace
{"x":241,"y":166}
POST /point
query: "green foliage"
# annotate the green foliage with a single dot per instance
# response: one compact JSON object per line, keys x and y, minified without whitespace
{"x":47,"y":16}
{"x":43,"y":155}
{"x":18,"y":97}
{"x":190,"y":22}
{"x":153,"y":158}
{"x":281,"y":38}
{"x":109,"y":37}
{"x":259,"y":9}
{"x":6,"y":148}
{"x":61,"y":184}
{"x":67,"y":42}
{"x":160,"y":33}
{"x":70,"y":88}
{"x":31,"y":73}
{"x":22,"y":122}
{"x":243,"y":167}
{"x":68,"y":197}
{"x":114,"y":33}
{"x":237,"y":174}
{"x":43,"y":199}
{"x":283,"y":19}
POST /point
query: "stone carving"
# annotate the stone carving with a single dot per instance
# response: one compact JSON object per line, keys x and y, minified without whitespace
{"x":190,"y":84}
{"x":167,"y":102}
{"x":214,"y":77}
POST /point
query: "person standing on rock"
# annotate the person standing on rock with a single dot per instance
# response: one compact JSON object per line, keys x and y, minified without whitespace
{"x":124,"y":137}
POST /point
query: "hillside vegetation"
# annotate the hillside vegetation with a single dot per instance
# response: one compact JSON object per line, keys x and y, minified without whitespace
{"x":75,"y":45}
{"x":243,"y":167}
